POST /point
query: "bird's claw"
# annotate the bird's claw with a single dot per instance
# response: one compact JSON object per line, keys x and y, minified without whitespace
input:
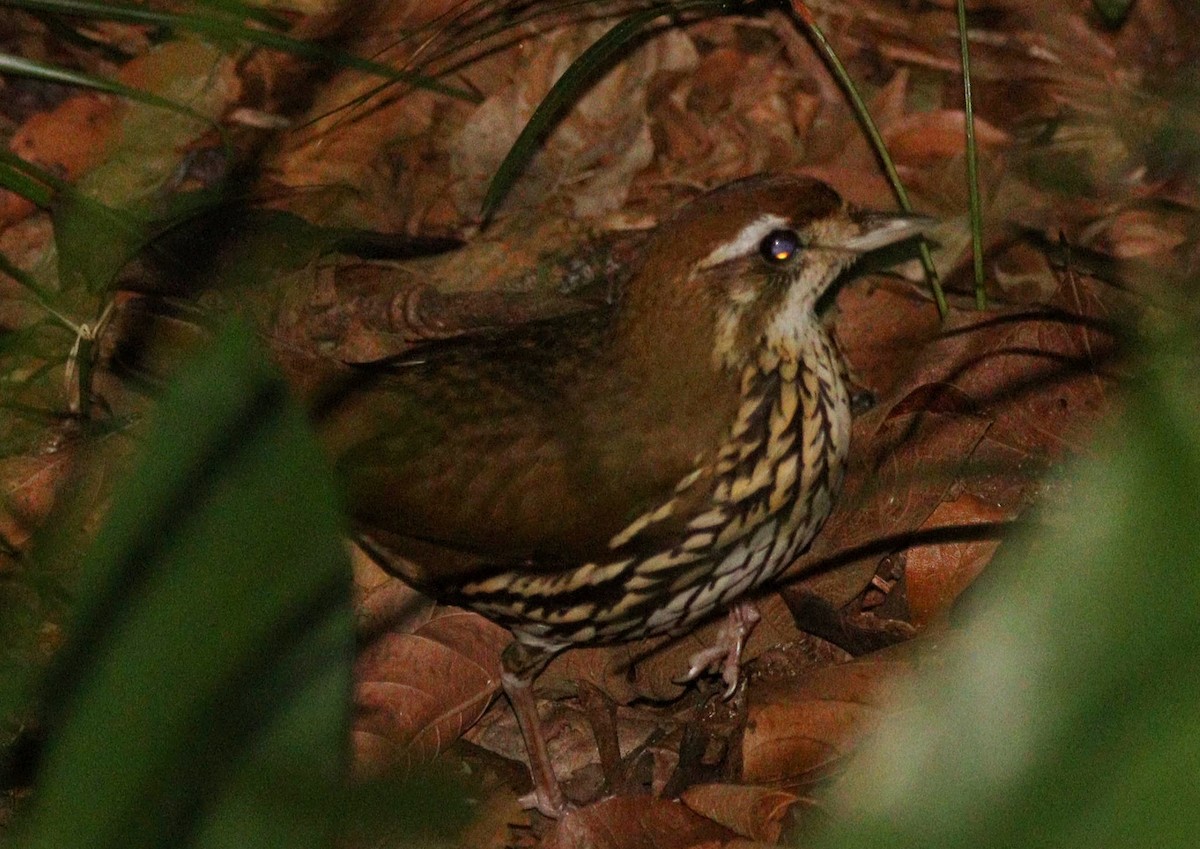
{"x":544,"y":805}
{"x":726,"y":652}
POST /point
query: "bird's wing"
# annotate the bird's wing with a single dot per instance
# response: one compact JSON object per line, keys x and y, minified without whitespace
{"x":513,"y":448}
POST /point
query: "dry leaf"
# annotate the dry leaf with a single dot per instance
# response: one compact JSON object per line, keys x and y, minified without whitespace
{"x":69,"y":141}
{"x":1139,"y":232}
{"x":29,"y":487}
{"x":924,"y":136}
{"x":935,"y":575}
{"x":754,"y":812}
{"x":426,"y":674}
{"x":637,"y":822}
{"x":798,"y":729}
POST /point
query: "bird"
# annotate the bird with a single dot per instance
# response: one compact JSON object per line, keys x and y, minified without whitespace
{"x":631,"y":470}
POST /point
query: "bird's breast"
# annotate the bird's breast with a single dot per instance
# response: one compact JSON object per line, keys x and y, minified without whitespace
{"x":735,"y":524}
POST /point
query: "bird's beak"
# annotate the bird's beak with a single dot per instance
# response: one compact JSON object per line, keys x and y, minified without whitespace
{"x":880,"y":229}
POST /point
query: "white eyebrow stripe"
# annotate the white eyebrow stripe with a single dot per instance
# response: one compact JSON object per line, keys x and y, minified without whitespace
{"x":745,"y":241}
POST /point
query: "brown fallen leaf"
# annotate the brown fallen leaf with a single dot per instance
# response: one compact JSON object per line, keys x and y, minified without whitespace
{"x":800,"y":728}
{"x":426,"y":674}
{"x":635,"y":822}
{"x":1024,"y":274}
{"x":924,"y":136}
{"x":935,"y":575}
{"x":754,"y":812}
{"x":68,"y":140}
{"x":1141,"y":232}
{"x":29,"y":487}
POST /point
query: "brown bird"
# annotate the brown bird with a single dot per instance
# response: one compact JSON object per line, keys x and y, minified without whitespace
{"x":626,"y":472}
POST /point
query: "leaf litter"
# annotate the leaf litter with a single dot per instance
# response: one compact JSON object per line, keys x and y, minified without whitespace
{"x":969,"y":419}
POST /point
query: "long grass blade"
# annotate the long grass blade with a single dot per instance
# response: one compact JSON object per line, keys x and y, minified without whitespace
{"x":831,"y":58}
{"x":972,"y":160}
{"x":20,"y":66}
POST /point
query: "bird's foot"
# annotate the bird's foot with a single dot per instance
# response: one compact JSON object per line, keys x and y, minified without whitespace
{"x":544,"y":803}
{"x":519,"y":668}
{"x":726,"y":653}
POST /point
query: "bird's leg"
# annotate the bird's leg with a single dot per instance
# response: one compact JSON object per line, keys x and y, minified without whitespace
{"x":726,"y":653}
{"x":521,"y":664}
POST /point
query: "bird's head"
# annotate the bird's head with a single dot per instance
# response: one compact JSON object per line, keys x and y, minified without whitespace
{"x":742,"y":267}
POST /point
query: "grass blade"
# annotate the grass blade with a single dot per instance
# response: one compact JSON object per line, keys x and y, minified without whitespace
{"x":19,"y":66}
{"x":972,"y":160}
{"x":806,"y":21}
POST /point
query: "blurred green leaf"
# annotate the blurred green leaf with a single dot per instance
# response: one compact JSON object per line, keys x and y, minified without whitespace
{"x":1113,"y":11}
{"x":23,"y":184}
{"x":39,"y":295}
{"x":1069,"y":714}
{"x":202,"y":696}
{"x":248,"y":11}
{"x":94,"y":240}
{"x":425,"y":810}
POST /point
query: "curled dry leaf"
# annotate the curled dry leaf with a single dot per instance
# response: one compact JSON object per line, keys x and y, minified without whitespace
{"x":982,"y":409}
{"x":937,"y":574}
{"x":29,"y":486}
{"x":1023,"y":272}
{"x":925,"y":136}
{"x":357,"y":311}
{"x":754,"y":812}
{"x":800,"y":728}
{"x":1140,"y":232}
{"x":427,"y":674}
{"x":635,"y":822}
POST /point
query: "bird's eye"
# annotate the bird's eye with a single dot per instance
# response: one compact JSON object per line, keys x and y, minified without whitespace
{"x":779,"y":246}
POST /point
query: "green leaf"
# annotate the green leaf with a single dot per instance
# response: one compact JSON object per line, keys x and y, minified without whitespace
{"x":831,"y":59}
{"x":248,"y":11}
{"x":94,"y":240}
{"x":1069,"y":713}
{"x":567,"y":90}
{"x":202,"y":696}
{"x":973,"y":193}
{"x":25,"y":185}
{"x":27,"y":281}
{"x":1113,"y":12}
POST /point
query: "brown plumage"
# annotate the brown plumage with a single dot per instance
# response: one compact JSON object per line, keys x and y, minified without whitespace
{"x":628,"y":472}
